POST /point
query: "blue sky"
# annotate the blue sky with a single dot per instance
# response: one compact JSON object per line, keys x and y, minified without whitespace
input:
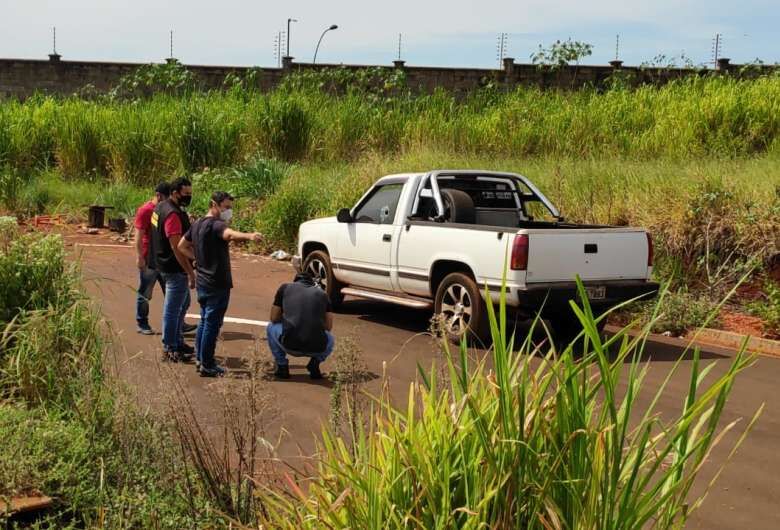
{"x":450,"y":33}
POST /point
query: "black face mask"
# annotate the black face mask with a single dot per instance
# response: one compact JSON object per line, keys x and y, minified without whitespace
{"x":185,"y":200}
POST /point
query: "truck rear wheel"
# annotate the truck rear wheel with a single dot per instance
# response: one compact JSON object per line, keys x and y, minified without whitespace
{"x":460,"y":307}
{"x":317,"y":263}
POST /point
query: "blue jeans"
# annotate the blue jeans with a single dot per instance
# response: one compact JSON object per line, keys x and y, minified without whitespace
{"x":177,"y":301}
{"x":147,"y":278}
{"x":213,"y":305}
{"x":274,"y":333}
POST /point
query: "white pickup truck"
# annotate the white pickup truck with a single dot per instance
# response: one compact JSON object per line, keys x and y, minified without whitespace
{"x":436,"y":239}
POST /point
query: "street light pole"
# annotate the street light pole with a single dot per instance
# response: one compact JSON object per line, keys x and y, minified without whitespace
{"x":288,"y":35}
{"x":331,"y":27}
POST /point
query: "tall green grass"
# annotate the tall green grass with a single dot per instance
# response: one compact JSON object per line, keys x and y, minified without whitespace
{"x":553,"y":443}
{"x":137,"y":140}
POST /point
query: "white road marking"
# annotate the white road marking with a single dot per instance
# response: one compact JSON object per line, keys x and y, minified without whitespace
{"x":261,"y":323}
{"x":100,"y":245}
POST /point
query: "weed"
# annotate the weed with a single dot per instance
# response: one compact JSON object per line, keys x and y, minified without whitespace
{"x":768,"y":307}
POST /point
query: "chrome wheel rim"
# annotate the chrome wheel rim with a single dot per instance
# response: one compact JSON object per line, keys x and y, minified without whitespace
{"x":456,"y":309}
{"x":319,"y":272}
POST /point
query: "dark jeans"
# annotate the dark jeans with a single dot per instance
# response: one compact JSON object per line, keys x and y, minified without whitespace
{"x":147,"y":278}
{"x":177,"y":301}
{"x":213,"y":305}
{"x":274,"y":334}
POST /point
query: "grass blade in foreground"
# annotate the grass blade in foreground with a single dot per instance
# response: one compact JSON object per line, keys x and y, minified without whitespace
{"x":533,"y":442}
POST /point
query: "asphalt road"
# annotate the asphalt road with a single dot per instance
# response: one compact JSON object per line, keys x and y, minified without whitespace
{"x":392,"y":341}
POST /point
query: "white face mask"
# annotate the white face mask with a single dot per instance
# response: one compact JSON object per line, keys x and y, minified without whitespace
{"x":226,"y":215}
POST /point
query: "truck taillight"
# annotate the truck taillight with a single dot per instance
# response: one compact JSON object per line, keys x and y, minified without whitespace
{"x":520,"y":253}
{"x":649,"y":249}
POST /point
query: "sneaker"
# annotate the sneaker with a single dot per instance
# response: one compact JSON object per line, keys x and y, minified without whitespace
{"x":186,"y":349}
{"x":145,"y":330}
{"x":170,"y":357}
{"x":189,"y":328}
{"x":214,"y":371}
{"x":282,"y":371}
{"x":314,"y":369}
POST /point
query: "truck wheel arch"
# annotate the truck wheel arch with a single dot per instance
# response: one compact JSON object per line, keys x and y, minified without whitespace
{"x":441,"y":268}
{"x":311,"y":246}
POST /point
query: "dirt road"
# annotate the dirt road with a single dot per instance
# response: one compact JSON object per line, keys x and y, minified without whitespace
{"x":745,"y":496}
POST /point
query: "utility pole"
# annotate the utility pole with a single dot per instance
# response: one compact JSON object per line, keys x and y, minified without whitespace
{"x":399,"y":46}
{"x":278,"y":48}
{"x":617,"y":47}
{"x":717,"y":45}
{"x":287,"y":50}
{"x":54,"y":56}
{"x":170,"y":57}
{"x":501,"y":48}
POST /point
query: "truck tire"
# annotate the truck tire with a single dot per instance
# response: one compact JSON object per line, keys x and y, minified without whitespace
{"x":458,"y":206}
{"x":461,"y":308}
{"x":317,"y":263}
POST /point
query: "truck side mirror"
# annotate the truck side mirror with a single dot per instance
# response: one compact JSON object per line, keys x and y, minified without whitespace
{"x":344,"y":216}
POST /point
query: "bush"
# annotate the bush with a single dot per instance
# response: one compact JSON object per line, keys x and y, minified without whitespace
{"x":768,"y":307}
{"x":33,"y":275}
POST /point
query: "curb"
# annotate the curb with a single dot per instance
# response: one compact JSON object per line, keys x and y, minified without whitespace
{"x":733,"y":340}
{"x":714,"y":338}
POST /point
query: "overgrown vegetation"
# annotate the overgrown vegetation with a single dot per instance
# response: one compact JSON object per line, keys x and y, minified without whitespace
{"x":333,"y":119}
{"x":68,"y":432}
{"x":521,"y":444}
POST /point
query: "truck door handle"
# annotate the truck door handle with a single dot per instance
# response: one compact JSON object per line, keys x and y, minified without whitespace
{"x":386,"y":237}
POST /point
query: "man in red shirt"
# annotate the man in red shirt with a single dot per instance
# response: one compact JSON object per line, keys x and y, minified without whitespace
{"x":148,"y":275}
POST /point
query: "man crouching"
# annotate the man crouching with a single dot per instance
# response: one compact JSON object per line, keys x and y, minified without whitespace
{"x":301,"y":321}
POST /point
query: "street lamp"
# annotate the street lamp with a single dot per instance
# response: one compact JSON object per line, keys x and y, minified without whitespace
{"x":332,"y":26}
{"x":288,"y":35}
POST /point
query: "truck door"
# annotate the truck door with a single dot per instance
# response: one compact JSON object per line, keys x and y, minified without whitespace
{"x":365,"y":252}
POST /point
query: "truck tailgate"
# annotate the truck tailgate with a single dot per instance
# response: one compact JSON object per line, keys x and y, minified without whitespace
{"x":558,"y":255}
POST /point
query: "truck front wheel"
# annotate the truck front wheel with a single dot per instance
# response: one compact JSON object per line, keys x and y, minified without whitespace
{"x":317,"y":263}
{"x":460,"y":308}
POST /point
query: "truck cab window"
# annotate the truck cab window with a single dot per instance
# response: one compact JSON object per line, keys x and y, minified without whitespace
{"x":380,"y":206}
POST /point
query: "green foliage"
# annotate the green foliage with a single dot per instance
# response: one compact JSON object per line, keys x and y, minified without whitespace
{"x":561,"y":53}
{"x":66,"y":431}
{"x":339,"y":115}
{"x":289,"y":127}
{"x":768,"y":307}
{"x":676,"y":313}
{"x":558,"y":443}
{"x":33,"y":275}
{"x":168,"y":78}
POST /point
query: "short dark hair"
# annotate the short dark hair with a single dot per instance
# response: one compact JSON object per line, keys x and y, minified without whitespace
{"x":218,"y":196}
{"x":163,"y":188}
{"x":180,"y":183}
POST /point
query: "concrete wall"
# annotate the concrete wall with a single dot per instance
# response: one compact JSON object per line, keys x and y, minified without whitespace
{"x":20,"y":78}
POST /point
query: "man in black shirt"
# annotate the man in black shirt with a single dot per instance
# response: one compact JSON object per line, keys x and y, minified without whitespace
{"x":206,"y":242}
{"x":301,"y":321}
{"x":169,"y":223}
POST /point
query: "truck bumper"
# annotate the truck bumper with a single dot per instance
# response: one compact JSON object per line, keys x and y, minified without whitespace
{"x":553,"y":297}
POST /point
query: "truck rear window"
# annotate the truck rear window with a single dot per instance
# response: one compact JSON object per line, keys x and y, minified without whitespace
{"x":484,"y":193}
